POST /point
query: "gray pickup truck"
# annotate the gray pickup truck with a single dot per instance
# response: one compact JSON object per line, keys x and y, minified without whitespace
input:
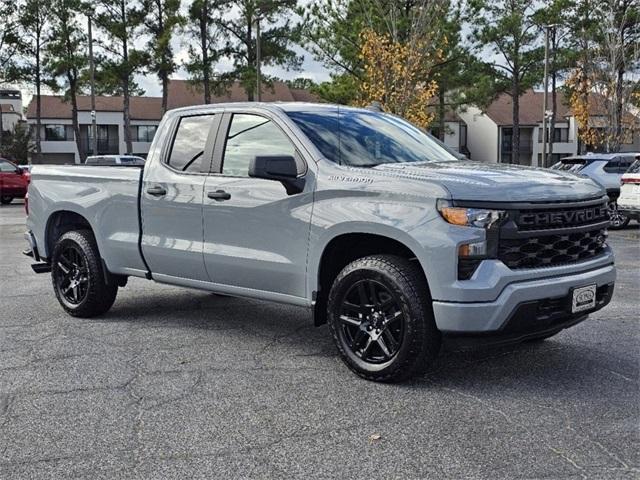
{"x":355,"y":214}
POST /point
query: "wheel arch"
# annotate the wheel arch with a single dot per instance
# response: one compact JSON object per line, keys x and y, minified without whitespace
{"x":341,"y":249}
{"x":60,"y":222}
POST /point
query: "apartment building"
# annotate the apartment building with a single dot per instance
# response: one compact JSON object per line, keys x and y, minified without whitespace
{"x":490,"y":132}
{"x":58,"y":142}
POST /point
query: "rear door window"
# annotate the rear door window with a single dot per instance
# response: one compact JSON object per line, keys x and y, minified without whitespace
{"x":189,"y":144}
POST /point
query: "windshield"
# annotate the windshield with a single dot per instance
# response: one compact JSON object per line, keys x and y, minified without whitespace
{"x":366,"y":139}
{"x":635,"y":167}
{"x":572,"y":165}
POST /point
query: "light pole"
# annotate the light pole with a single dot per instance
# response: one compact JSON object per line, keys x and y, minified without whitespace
{"x":92,"y":74}
{"x":545,"y":113}
{"x":544,"y":97}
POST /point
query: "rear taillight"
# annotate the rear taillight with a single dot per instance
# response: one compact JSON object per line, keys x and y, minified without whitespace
{"x":26,"y":203}
{"x":633,"y":180}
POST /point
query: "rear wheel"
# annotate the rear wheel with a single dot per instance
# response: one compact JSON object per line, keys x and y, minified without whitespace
{"x":78,"y":276}
{"x":381,"y":319}
{"x":6,"y":199}
{"x":617,"y":218}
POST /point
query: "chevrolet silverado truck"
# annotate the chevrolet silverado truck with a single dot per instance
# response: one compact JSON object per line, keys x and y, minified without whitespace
{"x":357,"y":215}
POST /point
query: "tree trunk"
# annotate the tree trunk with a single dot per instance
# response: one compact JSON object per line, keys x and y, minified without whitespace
{"x":554,"y":109}
{"x":251,"y":59}
{"x":126,"y":77}
{"x":554,"y":96}
{"x":127,"y":115}
{"x":441,"y":114}
{"x":515,"y":136}
{"x":73,"y":90}
{"x":165,"y":90}
{"x":38,"y":102}
{"x":204,"y":36}
{"x":617,"y":138}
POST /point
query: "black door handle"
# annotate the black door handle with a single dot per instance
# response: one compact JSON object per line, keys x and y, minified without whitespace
{"x":156,"y":191}
{"x":219,"y":195}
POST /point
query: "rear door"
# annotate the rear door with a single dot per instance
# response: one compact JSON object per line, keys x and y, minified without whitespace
{"x":255,"y":235}
{"x":171,"y":197}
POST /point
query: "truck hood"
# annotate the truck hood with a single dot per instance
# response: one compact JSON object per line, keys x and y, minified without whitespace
{"x":498,"y":182}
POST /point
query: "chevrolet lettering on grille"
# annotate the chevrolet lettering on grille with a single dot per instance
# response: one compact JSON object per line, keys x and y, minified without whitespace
{"x":570,"y":217}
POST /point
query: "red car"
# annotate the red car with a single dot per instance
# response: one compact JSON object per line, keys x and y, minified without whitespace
{"x":13,"y":181}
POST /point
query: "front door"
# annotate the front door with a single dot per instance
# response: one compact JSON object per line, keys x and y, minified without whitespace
{"x":172,"y":198}
{"x":255,"y":234}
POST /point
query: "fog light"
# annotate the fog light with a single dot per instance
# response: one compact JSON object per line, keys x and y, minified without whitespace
{"x":476,"y":249}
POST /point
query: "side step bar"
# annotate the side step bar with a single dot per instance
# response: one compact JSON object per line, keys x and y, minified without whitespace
{"x":41,"y":267}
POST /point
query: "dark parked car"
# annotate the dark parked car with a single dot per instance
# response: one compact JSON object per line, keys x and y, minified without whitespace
{"x":13,"y":181}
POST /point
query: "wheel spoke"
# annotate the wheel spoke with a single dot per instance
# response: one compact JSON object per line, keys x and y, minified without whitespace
{"x":64,"y":268}
{"x":350,"y":321}
{"x":393,"y":317}
{"x":383,"y":347}
{"x":373,"y":295}
{"x":388,"y":336}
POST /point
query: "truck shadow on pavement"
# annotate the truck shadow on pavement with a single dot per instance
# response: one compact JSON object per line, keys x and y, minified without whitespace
{"x":572,"y":363}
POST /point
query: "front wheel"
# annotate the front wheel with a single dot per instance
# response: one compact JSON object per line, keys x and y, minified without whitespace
{"x":6,"y":199}
{"x":617,"y":218}
{"x":380,"y":317}
{"x":78,"y":276}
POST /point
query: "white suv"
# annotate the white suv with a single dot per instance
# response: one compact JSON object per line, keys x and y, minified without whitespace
{"x":629,"y":199}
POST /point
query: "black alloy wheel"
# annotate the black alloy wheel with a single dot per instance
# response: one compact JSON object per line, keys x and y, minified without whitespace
{"x":380,"y":316}
{"x":372,"y":321}
{"x":616,"y":217}
{"x":72,"y":274}
{"x":80,"y":282}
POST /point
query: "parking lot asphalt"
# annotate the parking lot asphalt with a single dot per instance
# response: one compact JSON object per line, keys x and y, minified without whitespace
{"x":176,"y":383}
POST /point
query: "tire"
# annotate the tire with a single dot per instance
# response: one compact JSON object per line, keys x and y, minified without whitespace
{"x":395,"y":289}
{"x":617,"y":218}
{"x":76,"y":261}
{"x":6,"y":199}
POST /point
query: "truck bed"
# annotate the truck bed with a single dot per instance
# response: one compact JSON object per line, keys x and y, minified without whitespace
{"x":106,"y":196}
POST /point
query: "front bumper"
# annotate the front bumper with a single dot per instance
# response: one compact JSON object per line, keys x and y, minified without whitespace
{"x":525,"y":305}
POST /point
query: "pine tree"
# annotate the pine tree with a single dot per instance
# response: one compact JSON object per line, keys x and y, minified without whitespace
{"x":162,"y":20}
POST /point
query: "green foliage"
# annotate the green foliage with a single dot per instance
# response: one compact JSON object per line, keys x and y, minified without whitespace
{"x":162,"y":19}
{"x":120,"y":23}
{"x":8,"y":35}
{"x":278,"y":35}
{"x":66,"y":53}
{"x":342,"y":89}
{"x":200,"y":27}
{"x":17,"y":145}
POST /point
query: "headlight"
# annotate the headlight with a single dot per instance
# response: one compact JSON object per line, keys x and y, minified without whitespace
{"x":469,"y":217}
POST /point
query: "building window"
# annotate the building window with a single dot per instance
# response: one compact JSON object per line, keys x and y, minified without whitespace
{"x":560,"y":134}
{"x":57,"y":133}
{"x":143,"y":133}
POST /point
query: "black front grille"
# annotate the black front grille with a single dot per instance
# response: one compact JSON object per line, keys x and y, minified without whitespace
{"x":548,"y":235}
{"x":551,"y":250}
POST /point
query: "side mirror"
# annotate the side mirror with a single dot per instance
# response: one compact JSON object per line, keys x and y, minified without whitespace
{"x":282,"y":168}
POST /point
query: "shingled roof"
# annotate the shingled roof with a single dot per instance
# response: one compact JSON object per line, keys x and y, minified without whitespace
{"x":500,"y":110}
{"x":181,"y":94}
